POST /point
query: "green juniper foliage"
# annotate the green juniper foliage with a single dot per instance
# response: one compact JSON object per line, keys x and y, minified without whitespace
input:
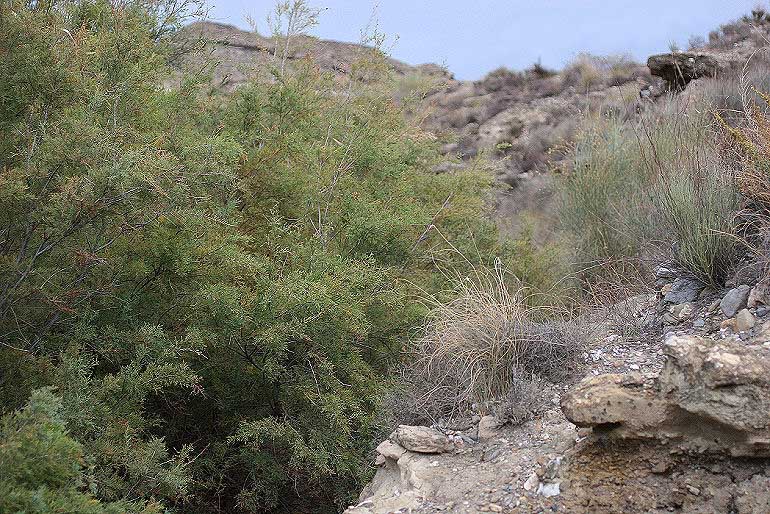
{"x":44,"y":469}
{"x":200,"y":297}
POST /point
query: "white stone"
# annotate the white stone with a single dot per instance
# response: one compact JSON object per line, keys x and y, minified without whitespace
{"x":532,"y":482}
{"x":549,"y":489}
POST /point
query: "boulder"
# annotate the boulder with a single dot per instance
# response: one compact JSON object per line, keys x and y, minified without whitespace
{"x":760,"y":295}
{"x":724,"y":381}
{"x":679,"y":68}
{"x":735,"y":300}
{"x":710,"y":396}
{"x":390,"y":450}
{"x":744,"y":320}
{"x":620,"y":402}
{"x":488,"y":426}
{"x":683,"y":290}
{"x":421,"y":439}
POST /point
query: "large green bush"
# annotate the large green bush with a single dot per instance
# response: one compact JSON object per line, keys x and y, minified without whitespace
{"x":43,"y":467}
{"x":214,"y":287}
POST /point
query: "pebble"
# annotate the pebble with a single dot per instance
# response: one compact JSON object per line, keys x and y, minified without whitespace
{"x":549,"y":489}
{"x":532,"y":482}
{"x":744,"y":320}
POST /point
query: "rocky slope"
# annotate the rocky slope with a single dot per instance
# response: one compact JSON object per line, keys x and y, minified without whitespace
{"x":522,"y":120}
{"x":238,"y":55}
{"x":678,"y":421}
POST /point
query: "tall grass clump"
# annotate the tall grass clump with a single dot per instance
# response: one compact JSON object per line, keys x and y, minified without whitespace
{"x":486,"y":349}
{"x":639,"y":190}
{"x":600,"y":202}
{"x":752,"y":138}
{"x":698,"y":203}
{"x":749,"y":129}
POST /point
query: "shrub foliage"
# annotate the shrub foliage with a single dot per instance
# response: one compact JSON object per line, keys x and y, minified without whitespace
{"x":200,"y":296}
{"x":651,"y":187}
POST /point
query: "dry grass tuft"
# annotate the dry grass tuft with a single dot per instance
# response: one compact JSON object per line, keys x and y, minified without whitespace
{"x":487,"y":349}
{"x":617,"y":299}
{"x":588,"y":71}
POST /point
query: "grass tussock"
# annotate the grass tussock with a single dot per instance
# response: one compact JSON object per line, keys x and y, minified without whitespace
{"x":587,"y":72}
{"x":487,"y":349}
{"x":698,"y":204}
{"x":654,"y":187}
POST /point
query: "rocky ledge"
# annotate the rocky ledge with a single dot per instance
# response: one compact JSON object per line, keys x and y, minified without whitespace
{"x":687,"y":432}
{"x":711,"y":396}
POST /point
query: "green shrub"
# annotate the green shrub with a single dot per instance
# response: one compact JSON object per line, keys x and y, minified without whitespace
{"x":42,"y":469}
{"x":217,"y":287}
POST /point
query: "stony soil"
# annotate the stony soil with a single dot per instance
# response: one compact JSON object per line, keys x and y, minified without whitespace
{"x":517,"y":469}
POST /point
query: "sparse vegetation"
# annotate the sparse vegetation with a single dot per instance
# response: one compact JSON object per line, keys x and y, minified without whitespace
{"x":744,"y":28}
{"x":587,"y":72}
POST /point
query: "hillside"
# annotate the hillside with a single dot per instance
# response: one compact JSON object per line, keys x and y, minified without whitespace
{"x":238,"y":55}
{"x":521,"y":120}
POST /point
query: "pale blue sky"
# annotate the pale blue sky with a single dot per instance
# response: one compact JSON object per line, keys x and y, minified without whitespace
{"x":472,"y":37}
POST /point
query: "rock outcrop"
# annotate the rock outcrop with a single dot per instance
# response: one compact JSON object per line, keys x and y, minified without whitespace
{"x":711,"y":396}
{"x":420,"y":439}
{"x":405,"y":471}
{"x":679,"y":68}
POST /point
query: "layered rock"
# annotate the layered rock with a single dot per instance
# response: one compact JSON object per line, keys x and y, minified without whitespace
{"x":679,"y":68}
{"x":710,"y":396}
{"x":405,"y":473}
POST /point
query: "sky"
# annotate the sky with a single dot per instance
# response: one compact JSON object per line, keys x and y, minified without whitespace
{"x":473,"y":37}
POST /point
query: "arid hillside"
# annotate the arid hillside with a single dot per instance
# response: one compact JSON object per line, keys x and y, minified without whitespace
{"x":522,"y":121}
{"x":238,"y":55}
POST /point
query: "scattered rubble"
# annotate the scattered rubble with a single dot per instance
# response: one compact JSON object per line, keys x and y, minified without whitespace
{"x":656,"y":426}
